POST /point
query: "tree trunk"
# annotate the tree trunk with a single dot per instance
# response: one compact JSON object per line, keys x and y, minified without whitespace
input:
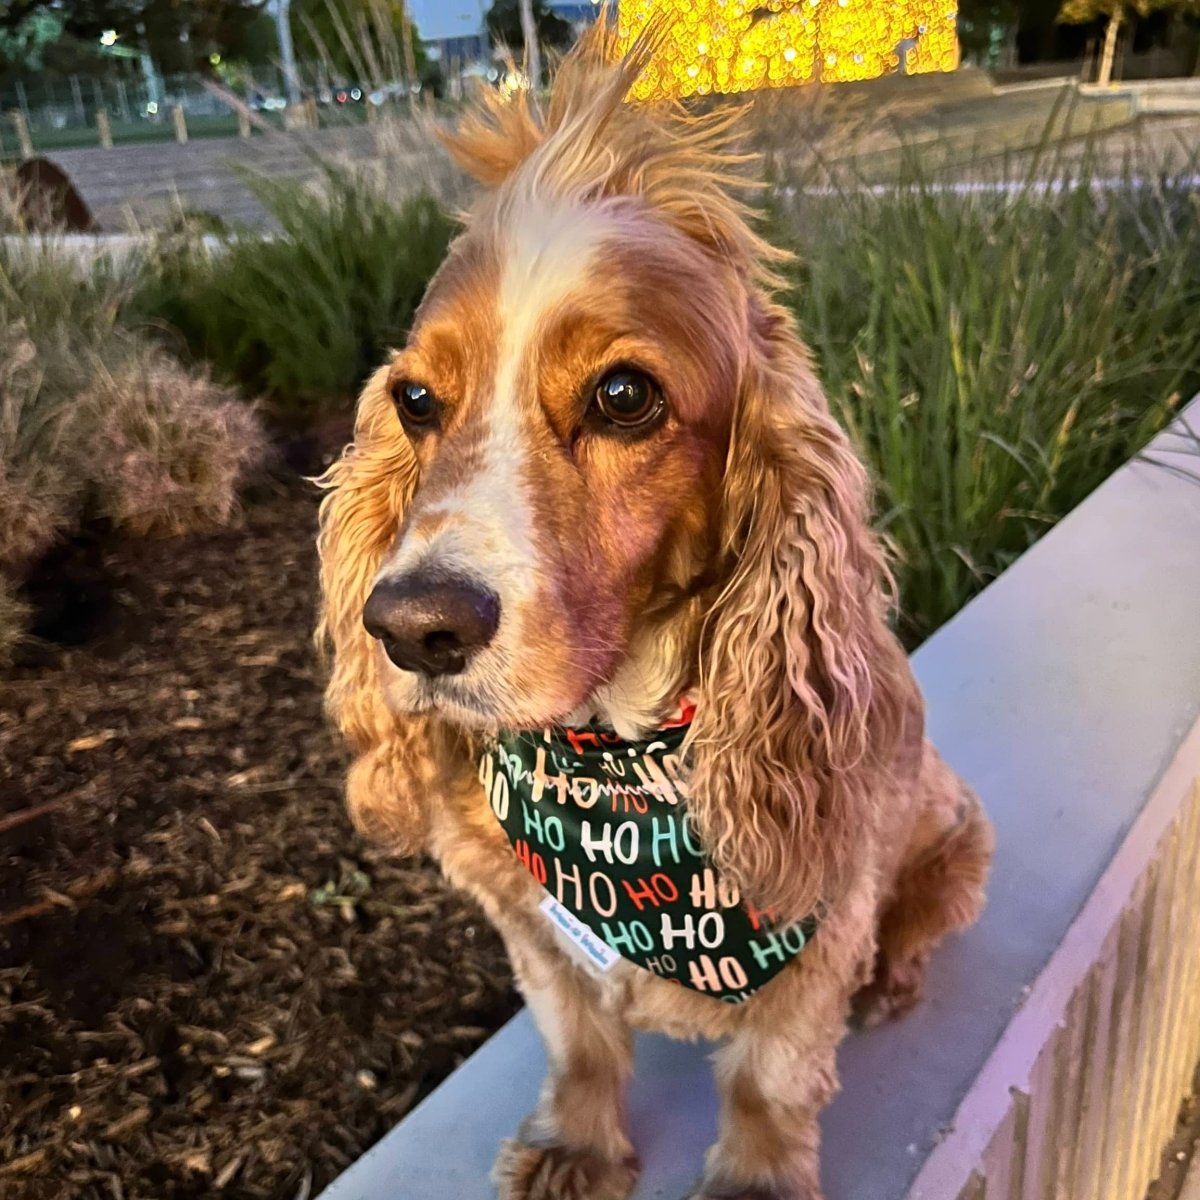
{"x":287,"y":56}
{"x":410,"y":58}
{"x":533,"y":52}
{"x":1009,"y":56}
{"x":1110,"y":47}
{"x":1188,"y":41}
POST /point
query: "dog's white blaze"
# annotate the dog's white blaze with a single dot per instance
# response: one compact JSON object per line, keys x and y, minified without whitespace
{"x":549,"y":252}
{"x":488,"y":536}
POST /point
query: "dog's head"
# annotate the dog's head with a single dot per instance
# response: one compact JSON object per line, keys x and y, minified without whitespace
{"x":601,"y":473}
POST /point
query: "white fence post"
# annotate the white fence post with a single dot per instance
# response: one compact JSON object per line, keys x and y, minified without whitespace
{"x":21,"y":126}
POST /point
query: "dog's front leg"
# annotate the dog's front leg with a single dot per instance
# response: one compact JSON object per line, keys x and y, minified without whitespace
{"x":574,"y":1145}
{"x":772,"y":1090}
{"x":779,"y":1069}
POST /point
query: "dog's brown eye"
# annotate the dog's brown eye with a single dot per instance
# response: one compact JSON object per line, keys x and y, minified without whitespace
{"x":628,"y":398}
{"x":416,"y":404}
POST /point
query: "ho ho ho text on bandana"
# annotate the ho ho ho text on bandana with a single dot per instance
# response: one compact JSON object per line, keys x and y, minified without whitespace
{"x":602,"y":825}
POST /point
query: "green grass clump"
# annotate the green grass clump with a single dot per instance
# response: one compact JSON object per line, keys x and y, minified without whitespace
{"x":996,"y":357}
{"x":303,"y":316}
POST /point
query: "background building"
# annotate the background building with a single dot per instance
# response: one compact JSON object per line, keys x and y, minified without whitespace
{"x":452,"y":28}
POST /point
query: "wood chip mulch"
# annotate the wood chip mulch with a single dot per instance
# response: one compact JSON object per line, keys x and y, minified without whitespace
{"x":209,"y":986}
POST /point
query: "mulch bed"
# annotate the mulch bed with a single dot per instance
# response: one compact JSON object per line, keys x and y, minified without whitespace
{"x":209,"y":986}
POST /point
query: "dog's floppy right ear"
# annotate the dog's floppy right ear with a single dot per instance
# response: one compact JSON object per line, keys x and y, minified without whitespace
{"x":805,"y":694}
{"x":369,"y":488}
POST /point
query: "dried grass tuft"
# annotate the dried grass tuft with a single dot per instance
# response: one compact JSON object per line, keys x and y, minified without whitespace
{"x":37,"y":489}
{"x":173,"y":447}
{"x":95,"y":423}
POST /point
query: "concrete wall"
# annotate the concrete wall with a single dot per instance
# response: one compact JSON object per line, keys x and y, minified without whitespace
{"x":145,"y":187}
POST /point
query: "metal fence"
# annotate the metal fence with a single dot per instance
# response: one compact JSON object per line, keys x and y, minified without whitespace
{"x":128,"y":94}
{"x":134,"y":104}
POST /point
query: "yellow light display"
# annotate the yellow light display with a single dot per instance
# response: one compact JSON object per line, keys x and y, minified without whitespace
{"x":741,"y":45}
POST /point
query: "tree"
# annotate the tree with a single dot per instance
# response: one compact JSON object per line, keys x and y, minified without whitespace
{"x":1116,"y":12}
{"x":506,"y":27}
{"x":179,"y":37}
{"x":23,"y":45}
{"x":988,"y":26}
{"x":978,"y":19}
{"x":360,"y":39}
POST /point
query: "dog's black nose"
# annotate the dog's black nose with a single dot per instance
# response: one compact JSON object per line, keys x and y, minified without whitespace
{"x":431,"y":624}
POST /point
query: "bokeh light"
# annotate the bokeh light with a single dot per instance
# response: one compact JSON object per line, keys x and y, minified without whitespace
{"x":741,"y":45}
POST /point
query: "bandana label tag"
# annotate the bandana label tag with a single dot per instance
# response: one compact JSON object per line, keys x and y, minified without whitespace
{"x":593,"y":948}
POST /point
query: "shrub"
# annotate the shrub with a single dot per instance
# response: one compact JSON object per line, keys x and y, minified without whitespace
{"x":38,"y":489}
{"x":301,"y":317}
{"x":994,"y":354}
{"x":95,"y":423}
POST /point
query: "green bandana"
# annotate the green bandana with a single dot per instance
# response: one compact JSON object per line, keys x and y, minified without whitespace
{"x":602,"y":825}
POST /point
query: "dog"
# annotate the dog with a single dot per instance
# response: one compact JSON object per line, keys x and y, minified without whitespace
{"x":609,"y":639}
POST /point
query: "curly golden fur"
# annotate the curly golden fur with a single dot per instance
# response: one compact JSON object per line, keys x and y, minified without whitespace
{"x":729,"y":555}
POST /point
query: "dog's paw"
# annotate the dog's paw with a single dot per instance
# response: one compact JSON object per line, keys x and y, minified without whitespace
{"x":524,"y":1172}
{"x":894,"y":992}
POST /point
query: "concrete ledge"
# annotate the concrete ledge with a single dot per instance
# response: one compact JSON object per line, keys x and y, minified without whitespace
{"x":146,"y":186}
{"x":1068,"y":695}
{"x":1153,"y":96}
{"x":1191,"y":1185}
{"x":1050,"y":83}
{"x":86,"y":250}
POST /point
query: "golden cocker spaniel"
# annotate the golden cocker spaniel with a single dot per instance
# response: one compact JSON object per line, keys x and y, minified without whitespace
{"x":609,"y":640}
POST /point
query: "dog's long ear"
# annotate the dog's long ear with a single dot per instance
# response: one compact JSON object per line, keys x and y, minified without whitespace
{"x":804,"y":691}
{"x":369,"y":488}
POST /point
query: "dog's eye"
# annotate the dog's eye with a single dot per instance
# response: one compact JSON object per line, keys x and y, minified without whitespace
{"x":628,"y":398}
{"x":416,"y":404}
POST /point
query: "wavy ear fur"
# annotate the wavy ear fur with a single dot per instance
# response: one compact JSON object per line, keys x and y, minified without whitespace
{"x":804,"y":690}
{"x":369,"y":488}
